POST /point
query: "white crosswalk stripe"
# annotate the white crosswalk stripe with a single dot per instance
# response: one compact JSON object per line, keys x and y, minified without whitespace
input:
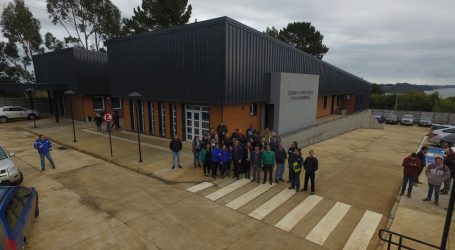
{"x":199,"y":187}
{"x":362,"y":234}
{"x":288,"y":222}
{"x":227,"y":189}
{"x":272,"y":204}
{"x":249,"y":196}
{"x":324,"y":228}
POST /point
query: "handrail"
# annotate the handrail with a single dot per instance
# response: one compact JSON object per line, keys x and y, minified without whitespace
{"x":400,"y":241}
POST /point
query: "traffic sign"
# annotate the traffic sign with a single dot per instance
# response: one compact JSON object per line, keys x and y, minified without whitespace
{"x":107,"y":117}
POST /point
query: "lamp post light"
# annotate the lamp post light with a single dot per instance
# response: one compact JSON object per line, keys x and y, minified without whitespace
{"x":71,"y":93}
{"x":32,"y":105}
{"x":135,"y":96}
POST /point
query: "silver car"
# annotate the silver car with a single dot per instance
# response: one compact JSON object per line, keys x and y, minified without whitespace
{"x":407,"y":120}
{"x":14,"y":112}
{"x":438,"y":132}
{"x":9,"y":172}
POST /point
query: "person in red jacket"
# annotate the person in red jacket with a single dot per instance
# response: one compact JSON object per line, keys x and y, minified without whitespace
{"x":411,"y":165}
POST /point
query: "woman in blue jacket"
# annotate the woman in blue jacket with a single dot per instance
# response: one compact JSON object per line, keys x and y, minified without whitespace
{"x":216,"y":159}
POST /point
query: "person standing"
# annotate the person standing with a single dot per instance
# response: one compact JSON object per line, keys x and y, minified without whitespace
{"x":411,"y":166}
{"x":206,"y":158}
{"x":291,"y":151}
{"x":237,"y":155}
{"x":449,"y":161}
{"x":98,"y":121}
{"x":216,"y":160}
{"x":196,"y":148}
{"x":437,"y":173}
{"x":116,"y":120}
{"x":176,"y":147}
{"x":246,"y":160}
{"x":296,"y":163}
{"x":310,"y":165}
{"x":44,"y":146}
{"x":281,"y":157}
{"x":256,"y":163}
{"x":221,"y":130}
{"x":422,"y":158}
{"x":268,"y":160}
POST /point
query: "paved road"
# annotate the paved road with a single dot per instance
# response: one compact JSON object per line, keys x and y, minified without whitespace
{"x":90,"y":204}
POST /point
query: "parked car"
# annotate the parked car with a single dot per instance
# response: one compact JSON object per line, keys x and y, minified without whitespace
{"x":18,"y":209}
{"x":391,"y":119}
{"x":14,"y":112}
{"x":425,"y":122}
{"x":9,"y":172}
{"x":379,"y":118}
{"x":407,"y":120}
{"x":448,"y":141}
{"x":438,"y":132}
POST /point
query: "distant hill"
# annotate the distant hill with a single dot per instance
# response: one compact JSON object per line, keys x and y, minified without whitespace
{"x":407,"y":87}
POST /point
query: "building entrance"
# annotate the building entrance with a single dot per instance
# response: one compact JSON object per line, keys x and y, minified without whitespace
{"x":197,"y":121}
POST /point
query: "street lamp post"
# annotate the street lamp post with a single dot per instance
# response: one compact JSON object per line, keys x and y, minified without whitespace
{"x":71,"y":93}
{"x":32,"y":105}
{"x":135,"y":96}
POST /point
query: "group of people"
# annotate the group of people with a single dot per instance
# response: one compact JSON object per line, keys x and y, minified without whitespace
{"x":221,"y":154}
{"x":115,"y":121}
{"x":439,"y":173}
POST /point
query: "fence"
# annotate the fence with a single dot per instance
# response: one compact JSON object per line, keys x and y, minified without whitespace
{"x":309,"y":136}
{"x":435,"y":117}
{"x":41,"y":104}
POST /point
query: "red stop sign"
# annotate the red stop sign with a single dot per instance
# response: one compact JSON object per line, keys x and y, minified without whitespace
{"x":107,"y":117}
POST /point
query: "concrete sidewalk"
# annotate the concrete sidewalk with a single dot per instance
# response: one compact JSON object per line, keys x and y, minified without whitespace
{"x":156,"y":156}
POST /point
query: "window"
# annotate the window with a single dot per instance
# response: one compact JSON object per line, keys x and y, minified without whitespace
{"x":13,"y":212}
{"x":116,"y":102}
{"x":451,"y":130}
{"x":98,"y":103}
{"x":253,"y":109}
{"x":151,"y":119}
{"x":324,"y":102}
{"x":359,"y":100}
{"x":162,"y":120}
{"x":339,"y":98}
{"x":173,"y":117}
{"x":17,"y":109}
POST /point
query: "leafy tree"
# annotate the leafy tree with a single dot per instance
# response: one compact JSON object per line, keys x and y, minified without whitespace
{"x":272,"y":32}
{"x":86,"y":22}
{"x":304,"y":36}
{"x":376,"y":89}
{"x":53,"y":43}
{"x":10,"y":70}
{"x":21,"y":28}
{"x":156,"y":14}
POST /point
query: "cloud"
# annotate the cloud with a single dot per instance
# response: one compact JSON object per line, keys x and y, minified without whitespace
{"x":384,"y":41}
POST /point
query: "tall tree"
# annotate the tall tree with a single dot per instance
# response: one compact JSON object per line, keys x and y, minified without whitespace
{"x":156,"y":14}
{"x":376,"y":89}
{"x":272,"y":32}
{"x":86,"y":22}
{"x":10,"y":70}
{"x":53,"y":43}
{"x":21,"y":28}
{"x":304,"y":36}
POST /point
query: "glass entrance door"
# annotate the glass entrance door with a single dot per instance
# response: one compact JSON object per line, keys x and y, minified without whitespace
{"x":197,"y":121}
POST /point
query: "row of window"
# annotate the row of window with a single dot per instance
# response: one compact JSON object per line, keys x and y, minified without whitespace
{"x":99,"y":104}
{"x":336,"y":99}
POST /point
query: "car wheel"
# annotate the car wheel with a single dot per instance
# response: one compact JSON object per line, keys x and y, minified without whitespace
{"x":31,"y":116}
{"x":3,"y":119}
{"x":445,"y":144}
{"x":21,"y":178}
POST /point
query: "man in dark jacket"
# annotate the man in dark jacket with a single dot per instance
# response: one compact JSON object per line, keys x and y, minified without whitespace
{"x":421,"y":156}
{"x":44,"y":146}
{"x":290,"y":154}
{"x":176,"y":147}
{"x":256,"y":164}
{"x":411,"y":165}
{"x":310,"y":165}
{"x":237,"y":154}
{"x":281,"y":156}
{"x":222,"y":130}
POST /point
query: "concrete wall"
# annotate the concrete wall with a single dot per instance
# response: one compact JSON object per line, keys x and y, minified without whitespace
{"x":295,"y":100}
{"x":312,"y":135}
{"x":436,"y":117}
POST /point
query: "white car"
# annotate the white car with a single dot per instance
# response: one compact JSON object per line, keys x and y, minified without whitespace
{"x":407,"y":120}
{"x":438,"y":132}
{"x":14,"y":112}
{"x":9,"y":173}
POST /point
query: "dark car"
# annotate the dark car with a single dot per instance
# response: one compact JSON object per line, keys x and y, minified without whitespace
{"x":391,"y":119}
{"x":379,"y":118}
{"x":18,"y":209}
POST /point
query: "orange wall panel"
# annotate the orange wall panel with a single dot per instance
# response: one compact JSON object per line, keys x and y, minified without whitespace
{"x":126,"y":110}
{"x":215,"y":115}
{"x":321,"y":112}
{"x":238,"y":117}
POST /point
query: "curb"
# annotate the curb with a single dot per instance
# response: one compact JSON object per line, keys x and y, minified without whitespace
{"x":115,"y":162}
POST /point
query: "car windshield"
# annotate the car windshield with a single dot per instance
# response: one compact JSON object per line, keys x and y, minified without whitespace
{"x":3,"y":154}
{"x":3,"y":192}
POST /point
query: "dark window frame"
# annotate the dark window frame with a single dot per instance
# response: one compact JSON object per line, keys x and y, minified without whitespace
{"x":102,"y":102}
{"x":253,"y":109}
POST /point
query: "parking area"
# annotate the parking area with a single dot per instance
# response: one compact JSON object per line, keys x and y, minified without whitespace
{"x":88,"y":203}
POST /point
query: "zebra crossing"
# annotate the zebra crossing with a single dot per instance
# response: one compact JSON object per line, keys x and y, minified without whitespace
{"x":359,"y":238}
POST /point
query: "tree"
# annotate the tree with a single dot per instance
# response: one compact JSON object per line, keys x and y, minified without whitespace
{"x":157,"y":14}
{"x":376,"y":89}
{"x":86,"y":22}
{"x":272,"y":32}
{"x":20,"y":27}
{"x":53,"y":43}
{"x":10,"y":70}
{"x":304,"y":36}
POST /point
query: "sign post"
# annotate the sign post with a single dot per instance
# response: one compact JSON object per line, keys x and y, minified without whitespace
{"x":108,"y":118}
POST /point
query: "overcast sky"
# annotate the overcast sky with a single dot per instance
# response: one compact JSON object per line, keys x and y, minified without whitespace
{"x":382,"y":41}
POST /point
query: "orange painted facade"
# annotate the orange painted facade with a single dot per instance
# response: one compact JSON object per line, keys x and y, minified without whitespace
{"x":238,"y":117}
{"x":83,"y":107}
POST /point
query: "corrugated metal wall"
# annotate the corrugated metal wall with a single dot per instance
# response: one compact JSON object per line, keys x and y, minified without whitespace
{"x":181,"y":64}
{"x":251,"y":55}
{"x":84,"y":71}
